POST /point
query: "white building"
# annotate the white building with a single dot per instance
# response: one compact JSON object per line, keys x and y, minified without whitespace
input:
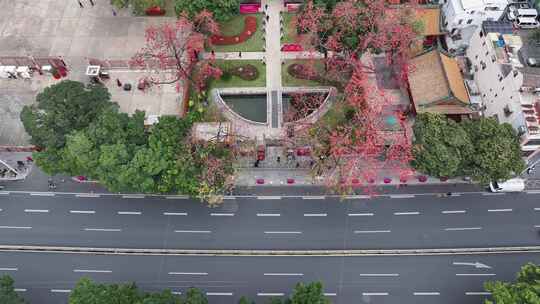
{"x":493,"y":61}
{"x":461,"y":18}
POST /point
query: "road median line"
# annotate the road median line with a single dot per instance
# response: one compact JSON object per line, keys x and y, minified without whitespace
{"x":234,"y":252}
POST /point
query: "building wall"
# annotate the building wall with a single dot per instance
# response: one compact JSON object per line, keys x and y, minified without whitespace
{"x":498,"y":92}
{"x":456,"y":18}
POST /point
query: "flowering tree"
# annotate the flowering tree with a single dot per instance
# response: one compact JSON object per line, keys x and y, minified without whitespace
{"x":172,"y":49}
{"x":352,"y":143}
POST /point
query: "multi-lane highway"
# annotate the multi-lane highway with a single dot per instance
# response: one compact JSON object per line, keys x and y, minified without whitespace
{"x":48,"y":278}
{"x":315,"y":222}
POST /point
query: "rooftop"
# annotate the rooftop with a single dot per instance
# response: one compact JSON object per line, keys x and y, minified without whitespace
{"x":437,"y":85}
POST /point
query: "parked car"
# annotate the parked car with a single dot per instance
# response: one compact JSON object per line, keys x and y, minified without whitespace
{"x":533,"y":62}
{"x":511,"y":185}
{"x":526,"y":23}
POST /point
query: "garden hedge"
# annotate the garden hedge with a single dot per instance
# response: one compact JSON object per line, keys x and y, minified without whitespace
{"x":250,"y":27}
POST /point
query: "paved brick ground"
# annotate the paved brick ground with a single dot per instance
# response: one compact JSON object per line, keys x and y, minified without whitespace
{"x":61,"y":28}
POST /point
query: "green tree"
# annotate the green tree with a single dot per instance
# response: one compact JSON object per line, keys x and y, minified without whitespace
{"x":497,"y":153}
{"x":8,"y":295}
{"x":534,"y":36}
{"x":245,"y":300}
{"x":223,"y":10}
{"x":61,"y":109}
{"x":526,"y":289}
{"x":440,"y":146}
{"x":88,"y":292}
{"x":311,"y":293}
{"x":195,"y":296}
{"x":164,"y":297}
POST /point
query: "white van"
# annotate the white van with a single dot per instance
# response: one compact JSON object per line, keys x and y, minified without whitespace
{"x":511,"y":185}
{"x":527,"y":13}
{"x":526,"y":23}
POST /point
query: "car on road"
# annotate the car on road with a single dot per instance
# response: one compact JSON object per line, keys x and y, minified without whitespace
{"x":511,"y":185}
{"x":533,"y":62}
{"x":526,"y":23}
{"x":516,"y":10}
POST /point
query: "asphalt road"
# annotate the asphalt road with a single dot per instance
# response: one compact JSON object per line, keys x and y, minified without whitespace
{"x":47,"y":278}
{"x":420,"y":221}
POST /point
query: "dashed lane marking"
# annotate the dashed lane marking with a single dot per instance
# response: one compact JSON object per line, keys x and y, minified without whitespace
{"x":268,"y":197}
{"x":499,"y":210}
{"x":477,"y":293}
{"x":129,"y":212}
{"x":175,"y":213}
{"x":361,"y":214}
{"x":87,"y":195}
{"x":407,"y":213}
{"x":82,"y":211}
{"x":42,"y":194}
{"x":430,"y":293}
{"x":36,"y":210}
{"x":320,"y":197}
{"x":454,"y":211}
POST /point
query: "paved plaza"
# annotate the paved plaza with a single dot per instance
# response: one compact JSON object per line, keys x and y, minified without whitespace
{"x":50,"y":28}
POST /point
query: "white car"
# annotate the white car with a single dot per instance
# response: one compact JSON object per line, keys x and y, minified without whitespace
{"x":520,"y":10}
{"x":526,"y":23}
{"x":511,"y":185}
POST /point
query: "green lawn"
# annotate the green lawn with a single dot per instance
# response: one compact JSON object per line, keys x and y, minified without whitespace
{"x":237,"y":81}
{"x":288,"y":80}
{"x":169,"y":8}
{"x":234,"y":27}
{"x":290,"y":35}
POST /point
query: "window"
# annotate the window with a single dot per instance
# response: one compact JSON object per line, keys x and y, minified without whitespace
{"x":469,"y":21}
{"x":533,"y":142}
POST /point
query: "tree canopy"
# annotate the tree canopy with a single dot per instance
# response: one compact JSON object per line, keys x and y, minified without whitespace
{"x":525,"y":290}
{"x":222,"y":10}
{"x":482,"y":149}
{"x":8,"y":295}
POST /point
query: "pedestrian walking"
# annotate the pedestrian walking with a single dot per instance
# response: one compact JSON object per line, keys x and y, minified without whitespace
{"x":92,"y":2}
{"x":213,"y":53}
{"x":278,"y":159}
{"x":240,"y":54}
{"x":113,"y":12}
{"x":118,"y":83}
{"x":80,"y":4}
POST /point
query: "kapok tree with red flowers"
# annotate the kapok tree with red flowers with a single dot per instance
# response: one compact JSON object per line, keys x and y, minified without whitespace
{"x":172,"y":49}
{"x":354,"y":143}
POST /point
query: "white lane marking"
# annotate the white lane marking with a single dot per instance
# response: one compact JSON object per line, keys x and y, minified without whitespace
{"x":533,"y":191}
{"x":314,"y":214}
{"x":268,"y":214}
{"x":536,"y":226}
{"x":357,"y":196}
{"x":269,"y":197}
{"x":407,"y":213}
{"x":475,"y":274}
{"x":330,"y":294}
{"x":477,"y":293}
{"x":270,"y":294}
{"x":374,"y":293}
{"x":379,"y":274}
{"x":453,"y":211}
{"x":82,"y":211}
{"x":193,"y":231}
{"x":132,"y":196}
{"x":91,"y":271}
{"x":284,"y":274}
{"x":536,"y":209}
{"x":360,"y":214}
{"x":320,"y":197}
{"x":229,"y":197}
{"x":19,"y":289}
{"x":9,"y":269}
{"x":499,"y":210}
{"x":283,"y":232}
{"x":493,"y":193}
{"x":221,"y":214}
{"x":177,"y":197}
{"x":87,"y":195}
{"x":430,"y":293}
{"x":102,"y":229}
{"x":36,"y":210}
{"x":14,"y":227}
{"x":372,"y":231}
{"x":188,"y":273}
{"x":402,"y":196}
{"x":175,"y":213}
{"x":462,"y":229}
{"x":219,"y":293}
{"x":42,"y":194}
{"x":129,"y":212}
{"x":176,"y":292}
{"x":4,"y":193}
{"x":61,"y":290}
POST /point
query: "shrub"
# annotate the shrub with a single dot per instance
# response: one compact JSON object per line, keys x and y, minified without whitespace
{"x":250,"y":27}
{"x":226,"y":75}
